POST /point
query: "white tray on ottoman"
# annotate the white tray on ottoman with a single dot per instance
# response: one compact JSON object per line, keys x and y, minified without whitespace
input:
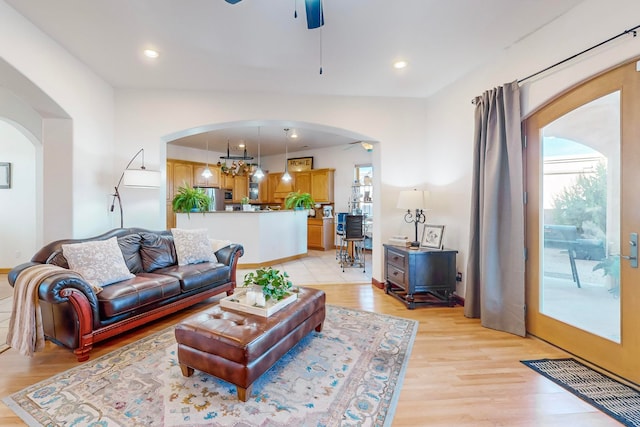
{"x":237,"y":301}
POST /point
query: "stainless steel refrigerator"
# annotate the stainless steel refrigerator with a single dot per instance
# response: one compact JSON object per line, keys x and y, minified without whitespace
{"x":217,"y":198}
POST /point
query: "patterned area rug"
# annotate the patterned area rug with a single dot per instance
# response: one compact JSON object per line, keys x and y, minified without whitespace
{"x":349,"y":374}
{"x":610,"y":396}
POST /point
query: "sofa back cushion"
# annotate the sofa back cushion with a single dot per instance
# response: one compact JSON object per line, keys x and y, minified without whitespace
{"x":156,"y":251}
{"x":130,"y":247}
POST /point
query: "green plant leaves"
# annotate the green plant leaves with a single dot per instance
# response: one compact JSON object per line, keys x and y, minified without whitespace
{"x":275,"y":285}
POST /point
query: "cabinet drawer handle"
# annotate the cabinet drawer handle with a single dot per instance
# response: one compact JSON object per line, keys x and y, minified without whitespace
{"x":395,"y":273}
{"x":395,"y":258}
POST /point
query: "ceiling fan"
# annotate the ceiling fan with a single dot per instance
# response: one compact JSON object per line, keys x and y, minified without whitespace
{"x":315,"y":14}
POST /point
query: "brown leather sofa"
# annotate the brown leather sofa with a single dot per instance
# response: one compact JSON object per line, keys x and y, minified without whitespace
{"x":75,"y":317}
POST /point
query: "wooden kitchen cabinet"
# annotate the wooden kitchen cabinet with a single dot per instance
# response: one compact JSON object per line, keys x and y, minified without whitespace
{"x":226,"y":181}
{"x":182,"y":176}
{"x":240,"y":187}
{"x":420,"y":276}
{"x":322,"y":183}
{"x":320,"y":233}
{"x":201,"y":181}
{"x":303,"y":182}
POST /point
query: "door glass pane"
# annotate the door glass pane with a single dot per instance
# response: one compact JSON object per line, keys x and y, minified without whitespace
{"x":580,"y":218}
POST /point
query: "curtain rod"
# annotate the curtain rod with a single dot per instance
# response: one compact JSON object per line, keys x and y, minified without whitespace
{"x":610,"y":39}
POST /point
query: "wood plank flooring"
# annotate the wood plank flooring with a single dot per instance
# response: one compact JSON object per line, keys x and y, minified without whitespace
{"x":459,"y":373}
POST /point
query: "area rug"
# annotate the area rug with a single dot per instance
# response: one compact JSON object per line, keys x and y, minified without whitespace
{"x":350,"y":374}
{"x":610,"y":396}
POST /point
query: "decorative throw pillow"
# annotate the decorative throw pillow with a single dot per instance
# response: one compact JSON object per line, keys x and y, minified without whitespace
{"x":216,"y":244}
{"x":99,"y":262}
{"x":192,"y":246}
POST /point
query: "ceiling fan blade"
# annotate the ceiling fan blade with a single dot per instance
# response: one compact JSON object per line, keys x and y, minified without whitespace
{"x":233,"y":1}
{"x":315,"y":13}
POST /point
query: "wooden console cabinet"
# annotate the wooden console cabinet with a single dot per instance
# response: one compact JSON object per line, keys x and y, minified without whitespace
{"x":422,"y":276}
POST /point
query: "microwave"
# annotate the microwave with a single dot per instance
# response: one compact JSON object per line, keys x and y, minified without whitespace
{"x":228,"y":195}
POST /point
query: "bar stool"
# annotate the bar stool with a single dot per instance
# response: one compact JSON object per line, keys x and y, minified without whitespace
{"x":354,"y":237}
{"x":340,"y":225}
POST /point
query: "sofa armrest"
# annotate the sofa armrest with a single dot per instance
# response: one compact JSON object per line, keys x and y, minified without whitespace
{"x":229,"y":254}
{"x":15,"y":272}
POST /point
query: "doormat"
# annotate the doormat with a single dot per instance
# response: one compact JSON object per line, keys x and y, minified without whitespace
{"x":608,"y":395}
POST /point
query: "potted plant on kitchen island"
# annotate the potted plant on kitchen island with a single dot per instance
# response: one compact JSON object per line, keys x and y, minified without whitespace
{"x":298,"y":201}
{"x":189,"y":199}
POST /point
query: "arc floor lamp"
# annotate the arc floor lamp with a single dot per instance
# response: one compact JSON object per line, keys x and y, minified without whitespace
{"x":138,"y":178}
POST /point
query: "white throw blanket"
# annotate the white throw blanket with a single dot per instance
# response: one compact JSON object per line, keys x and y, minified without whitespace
{"x":26,"y":333}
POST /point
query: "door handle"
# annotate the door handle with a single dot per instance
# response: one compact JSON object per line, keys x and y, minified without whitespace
{"x":633,"y":251}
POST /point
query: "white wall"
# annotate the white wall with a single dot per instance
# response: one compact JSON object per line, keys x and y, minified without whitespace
{"x":77,"y":154}
{"x":145,"y":118}
{"x":18,"y":203}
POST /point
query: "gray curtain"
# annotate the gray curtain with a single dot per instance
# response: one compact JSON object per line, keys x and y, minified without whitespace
{"x":495,"y":268}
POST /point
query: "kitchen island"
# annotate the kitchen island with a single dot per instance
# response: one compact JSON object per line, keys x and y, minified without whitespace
{"x":268,"y":237}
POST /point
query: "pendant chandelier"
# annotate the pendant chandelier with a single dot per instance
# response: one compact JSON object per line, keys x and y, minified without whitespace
{"x":241,"y":167}
{"x":258,"y":173}
{"x":286,"y":177}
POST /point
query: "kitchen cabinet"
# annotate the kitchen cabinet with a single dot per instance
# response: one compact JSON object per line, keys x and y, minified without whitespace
{"x":322,"y":182}
{"x":420,"y":276}
{"x":320,"y":233}
{"x":182,"y":176}
{"x":201,"y":181}
{"x":226,"y":181}
{"x":240,"y":187}
{"x":303,"y":182}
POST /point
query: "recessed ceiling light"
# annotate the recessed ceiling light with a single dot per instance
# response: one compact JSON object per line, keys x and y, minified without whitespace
{"x":150,"y":53}
{"x":399,"y":64}
{"x":294,"y":134}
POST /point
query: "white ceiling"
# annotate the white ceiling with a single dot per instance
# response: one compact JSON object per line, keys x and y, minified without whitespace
{"x":257,"y":45}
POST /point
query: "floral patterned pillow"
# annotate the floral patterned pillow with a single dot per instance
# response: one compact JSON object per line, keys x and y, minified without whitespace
{"x":192,"y":246}
{"x":99,"y":262}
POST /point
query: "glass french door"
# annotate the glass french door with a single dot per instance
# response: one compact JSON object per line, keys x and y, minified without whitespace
{"x":583,"y":220}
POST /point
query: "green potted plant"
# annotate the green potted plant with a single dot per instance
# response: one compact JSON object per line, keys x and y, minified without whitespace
{"x":189,"y":199}
{"x":246,"y":206}
{"x":298,"y":200}
{"x":275,"y":285}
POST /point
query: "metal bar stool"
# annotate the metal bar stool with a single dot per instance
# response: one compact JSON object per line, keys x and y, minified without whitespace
{"x":353,"y":236}
{"x":340,"y":225}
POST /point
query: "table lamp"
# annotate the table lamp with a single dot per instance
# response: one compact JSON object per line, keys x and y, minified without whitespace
{"x":413,"y":199}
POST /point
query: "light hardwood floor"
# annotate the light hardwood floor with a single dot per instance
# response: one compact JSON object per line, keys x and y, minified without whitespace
{"x":459,"y":373}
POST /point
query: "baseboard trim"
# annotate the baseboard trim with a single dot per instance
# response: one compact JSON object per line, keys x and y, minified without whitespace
{"x":5,"y":270}
{"x":270,"y":262}
{"x":378,"y":284}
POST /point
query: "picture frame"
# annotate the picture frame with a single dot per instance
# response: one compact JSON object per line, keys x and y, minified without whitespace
{"x":5,"y":175}
{"x":432,"y":236}
{"x":299,"y":164}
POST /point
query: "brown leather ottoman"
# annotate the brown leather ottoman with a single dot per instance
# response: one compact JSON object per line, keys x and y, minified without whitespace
{"x":238,"y":347}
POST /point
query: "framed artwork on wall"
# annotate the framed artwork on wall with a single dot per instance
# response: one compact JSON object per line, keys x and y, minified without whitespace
{"x":5,"y":175}
{"x":432,"y":236}
{"x":300,"y":164}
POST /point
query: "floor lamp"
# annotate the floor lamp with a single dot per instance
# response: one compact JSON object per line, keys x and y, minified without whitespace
{"x":413,"y":199}
{"x":139,"y":178}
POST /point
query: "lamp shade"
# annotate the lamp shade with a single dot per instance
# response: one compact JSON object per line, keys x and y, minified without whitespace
{"x":412,"y":199}
{"x":142,"y":178}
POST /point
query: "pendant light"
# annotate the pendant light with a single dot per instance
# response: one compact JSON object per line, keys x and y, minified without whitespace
{"x":206,"y":173}
{"x":286,"y":177}
{"x":258,"y":174}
